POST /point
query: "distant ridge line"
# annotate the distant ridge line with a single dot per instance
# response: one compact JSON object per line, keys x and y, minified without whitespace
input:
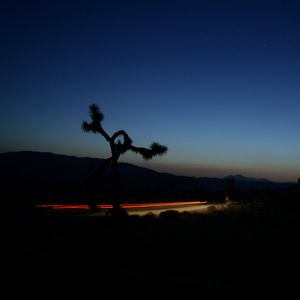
{"x":237,"y":177}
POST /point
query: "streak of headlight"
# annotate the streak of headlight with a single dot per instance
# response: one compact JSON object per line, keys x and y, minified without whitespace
{"x":132,"y":205}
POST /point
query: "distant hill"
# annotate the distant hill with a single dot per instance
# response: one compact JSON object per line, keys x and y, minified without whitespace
{"x":52,"y":177}
{"x":244,"y":178}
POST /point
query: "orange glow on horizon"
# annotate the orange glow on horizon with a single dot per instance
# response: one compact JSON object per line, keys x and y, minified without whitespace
{"x":125,"y":206}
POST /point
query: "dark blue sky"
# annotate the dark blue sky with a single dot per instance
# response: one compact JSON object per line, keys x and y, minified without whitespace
{"x":218,"y":82}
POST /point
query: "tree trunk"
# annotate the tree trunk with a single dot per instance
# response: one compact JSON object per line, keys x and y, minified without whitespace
{"x":116,"y":186}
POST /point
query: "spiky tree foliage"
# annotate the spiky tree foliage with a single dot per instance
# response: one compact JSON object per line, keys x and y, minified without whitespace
{"x":148,"y":153}
{"x":117,"y":148}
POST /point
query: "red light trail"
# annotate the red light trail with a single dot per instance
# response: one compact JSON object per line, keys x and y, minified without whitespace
{"x":126,"y":206}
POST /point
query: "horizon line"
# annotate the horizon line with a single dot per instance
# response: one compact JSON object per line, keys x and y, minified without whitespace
{"x":162,"y":172}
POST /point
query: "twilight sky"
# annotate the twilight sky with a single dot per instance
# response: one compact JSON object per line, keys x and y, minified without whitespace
{"x":218,"y":82}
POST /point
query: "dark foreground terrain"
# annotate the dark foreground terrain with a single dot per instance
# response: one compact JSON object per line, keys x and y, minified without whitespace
{"x":51,"y":255}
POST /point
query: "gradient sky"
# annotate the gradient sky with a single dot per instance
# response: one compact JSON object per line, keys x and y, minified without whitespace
{"x":218,"y":82}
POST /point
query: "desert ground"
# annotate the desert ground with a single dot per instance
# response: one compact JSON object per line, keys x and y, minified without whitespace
{"x":175,"y":255}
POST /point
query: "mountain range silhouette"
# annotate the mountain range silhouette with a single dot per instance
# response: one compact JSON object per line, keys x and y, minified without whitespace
{"x":55,"y":177}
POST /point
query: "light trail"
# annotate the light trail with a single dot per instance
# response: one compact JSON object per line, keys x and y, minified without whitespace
{"x":125,"y":206}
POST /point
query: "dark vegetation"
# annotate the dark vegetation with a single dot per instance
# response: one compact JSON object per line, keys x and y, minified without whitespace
{"x":244,"y":250}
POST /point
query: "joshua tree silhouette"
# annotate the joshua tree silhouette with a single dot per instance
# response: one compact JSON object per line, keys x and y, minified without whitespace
{"x":117,"y":148}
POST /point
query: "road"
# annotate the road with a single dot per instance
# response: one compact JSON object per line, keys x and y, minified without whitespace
{"x":142,"y":208}
{"x":199,"y":208}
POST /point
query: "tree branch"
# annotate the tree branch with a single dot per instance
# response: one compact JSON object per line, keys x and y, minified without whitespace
{"x":148,"y":153}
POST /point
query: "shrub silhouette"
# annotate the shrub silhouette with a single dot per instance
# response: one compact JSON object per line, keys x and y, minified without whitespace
{"x":170,"y":214}
{"x":229,"y":189}
{"x":117,"y":148}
